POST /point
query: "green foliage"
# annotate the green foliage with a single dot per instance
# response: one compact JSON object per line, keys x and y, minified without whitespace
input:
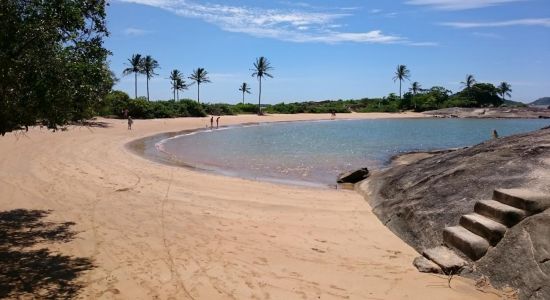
{"x":323,"y":107}
{"x":116,"y":102}
{"x":247,"y":108}
{"x":482,"y":94}
{"x":53,"y":65}
{"x":219,"y":109}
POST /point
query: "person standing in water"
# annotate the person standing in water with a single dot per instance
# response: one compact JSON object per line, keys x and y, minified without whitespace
{"x":211,"y":122}
{"x":495,"y":134}
{"x":217,"y":121}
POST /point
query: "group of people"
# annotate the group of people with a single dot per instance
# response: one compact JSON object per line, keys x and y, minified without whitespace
{"x":212,"y":122}
{"x":125,"y":114}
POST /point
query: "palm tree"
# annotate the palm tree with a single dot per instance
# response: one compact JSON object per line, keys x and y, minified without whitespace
{"x":175,"y":75}
{"x":469,"y":83}
{"x":148,"y":66}
{"x":261,"y":69}
{"x":504,"y":89}
{"x":181,"y":85}
{"x":401,"y":73}
{"x":245,"y":89}
{"x":415,"y":88}
{"x":199,"y":76}
{"x":134,"y":66}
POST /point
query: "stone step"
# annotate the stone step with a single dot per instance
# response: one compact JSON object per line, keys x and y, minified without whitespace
{"x":469,"y":243}
{"x":444,"y":257}
{"x":529,"y":200}
{"x":500,"y":212}
{"x":491,"y":230}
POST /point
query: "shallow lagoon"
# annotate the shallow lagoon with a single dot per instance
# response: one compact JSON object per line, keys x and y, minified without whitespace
{"x":314,"y":153}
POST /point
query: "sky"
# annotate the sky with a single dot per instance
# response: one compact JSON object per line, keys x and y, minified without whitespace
{"x":346,"y":49}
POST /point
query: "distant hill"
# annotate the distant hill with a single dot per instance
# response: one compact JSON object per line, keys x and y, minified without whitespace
{"x":541,"y":101}
{"x":514,"y":103}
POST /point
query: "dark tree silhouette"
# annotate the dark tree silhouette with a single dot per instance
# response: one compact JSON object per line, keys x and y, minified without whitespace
{"x":199,"y":75}
{"x":148,"y":66}
{"x":401,"y":73}
{"x":504,"y":89}
{"x":415,"y":88}
{"x":245,"y":89}
{"x":261,"y":68}
{"x":175,"y":75}
{"x":134,"y":66}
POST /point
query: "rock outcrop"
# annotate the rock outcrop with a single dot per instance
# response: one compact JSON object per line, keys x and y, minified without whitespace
{"x":419,"y":200}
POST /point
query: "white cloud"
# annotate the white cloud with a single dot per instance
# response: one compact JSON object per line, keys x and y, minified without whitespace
{"x":488,"y":35}
{"x":520,"y":22}
{"x":130,"y":31}
{"x":287,"y":25}
{"x":459,"y":4}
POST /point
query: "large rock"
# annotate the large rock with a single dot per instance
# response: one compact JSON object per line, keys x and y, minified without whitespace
{"x":522,"y":258}
{"x":417,"y":201}
{"x":353,"y":176}
{"x":425,"y":265}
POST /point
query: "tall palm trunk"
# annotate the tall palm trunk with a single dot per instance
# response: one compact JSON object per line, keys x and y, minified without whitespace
{"x":243,"y":97}
{"x":148,"y":89}
{"x":177,"y":95}
{"x":135,"y":83}
{"x":260,"y":98}
{"x":174,"y":85}
{"x":400,"y":89}
{"x":198,"y":93}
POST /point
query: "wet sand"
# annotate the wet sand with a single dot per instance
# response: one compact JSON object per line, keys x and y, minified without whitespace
{"x":159,"y":231}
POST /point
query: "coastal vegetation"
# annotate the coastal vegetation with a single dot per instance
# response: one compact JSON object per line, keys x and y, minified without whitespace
{"x":53,"y":66}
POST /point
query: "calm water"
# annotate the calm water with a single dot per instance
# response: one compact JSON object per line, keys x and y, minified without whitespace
{"x":316,"y":152}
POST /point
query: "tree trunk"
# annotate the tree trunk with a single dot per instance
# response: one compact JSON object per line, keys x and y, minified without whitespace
{"x":243,"y":97}
{"x":399,"y":89}
{"x":177,"y":95}
{"x":148,"y":88}
{"x":174,"y":90}
{"x":260,"y":98}
{"x":135,"y":83}
{"x":198,"y":93}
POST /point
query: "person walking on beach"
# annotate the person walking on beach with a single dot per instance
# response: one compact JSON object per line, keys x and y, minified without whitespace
{"x":130,"y":122}
{"x":211,"y":122}
{"x":217,"y":121}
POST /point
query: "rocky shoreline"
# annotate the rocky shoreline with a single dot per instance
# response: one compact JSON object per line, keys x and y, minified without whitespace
{"x":491,"y":113}
{"x":423,"y":193}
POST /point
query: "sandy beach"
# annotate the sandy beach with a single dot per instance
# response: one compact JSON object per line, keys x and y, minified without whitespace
{"x":154,"y":231}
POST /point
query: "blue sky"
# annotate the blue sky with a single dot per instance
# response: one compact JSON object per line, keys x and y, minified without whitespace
{"x":333,"y":49}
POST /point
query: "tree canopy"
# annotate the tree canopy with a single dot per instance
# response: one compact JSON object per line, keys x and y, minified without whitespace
{"x":53,"y":66}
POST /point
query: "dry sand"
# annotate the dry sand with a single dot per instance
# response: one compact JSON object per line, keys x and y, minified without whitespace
{"x":158,"y":231}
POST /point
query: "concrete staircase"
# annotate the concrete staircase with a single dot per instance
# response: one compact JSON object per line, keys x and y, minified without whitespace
{"x":491,"y":219}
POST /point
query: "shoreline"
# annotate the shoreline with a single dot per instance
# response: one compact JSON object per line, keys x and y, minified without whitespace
{"x":154,"y":230}
{"x":143,"y":146}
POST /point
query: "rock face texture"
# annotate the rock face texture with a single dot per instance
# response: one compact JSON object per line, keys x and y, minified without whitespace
{"x":419,"y":200}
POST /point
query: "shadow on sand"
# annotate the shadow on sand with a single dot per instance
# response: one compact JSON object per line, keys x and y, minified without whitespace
{"x":27,"y":270}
